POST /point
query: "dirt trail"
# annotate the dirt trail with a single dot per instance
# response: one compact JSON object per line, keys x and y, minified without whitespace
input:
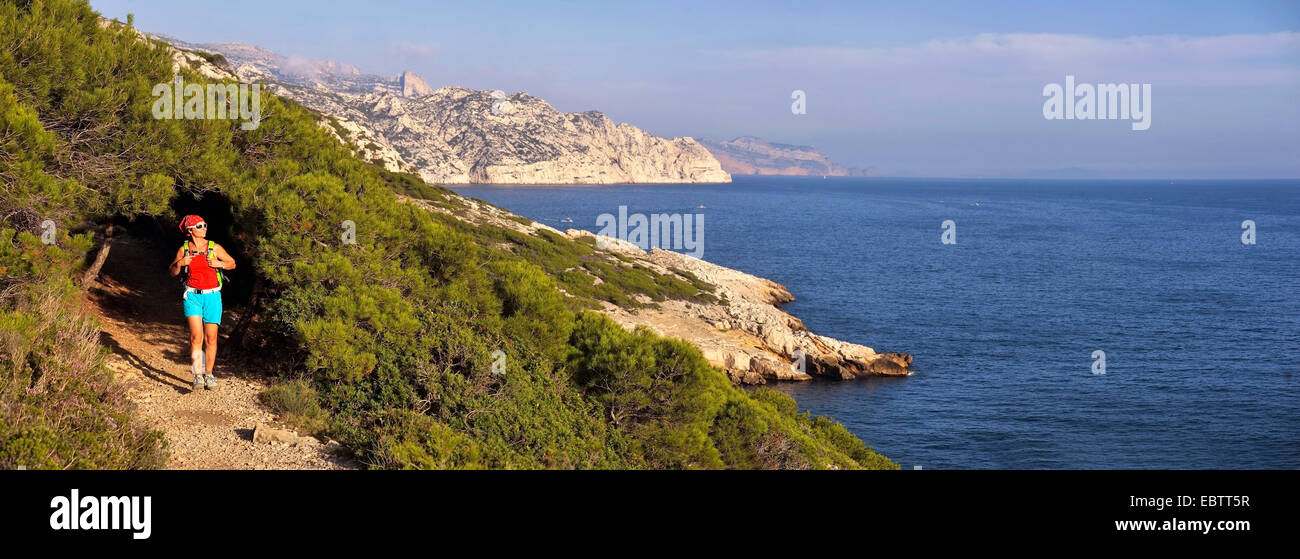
{"x":140,"y":307}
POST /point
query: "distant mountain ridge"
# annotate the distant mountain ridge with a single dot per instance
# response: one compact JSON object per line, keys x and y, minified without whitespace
{"x":748,"y":155}
{"x":455,"y":135}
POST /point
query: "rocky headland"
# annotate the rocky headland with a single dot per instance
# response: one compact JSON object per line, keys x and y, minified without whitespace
{"x":747,"y":155}
{"x":745,"y":333}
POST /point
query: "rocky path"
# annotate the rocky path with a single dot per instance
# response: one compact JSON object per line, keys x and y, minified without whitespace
{"x":140,"y":308}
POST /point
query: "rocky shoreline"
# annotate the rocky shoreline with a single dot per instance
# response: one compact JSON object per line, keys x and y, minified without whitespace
{"x":746,"y":334}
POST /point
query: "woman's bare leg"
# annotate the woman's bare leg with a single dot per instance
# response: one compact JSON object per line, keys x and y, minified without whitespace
{"x":196,"y":341}
{"x":210,"y":344}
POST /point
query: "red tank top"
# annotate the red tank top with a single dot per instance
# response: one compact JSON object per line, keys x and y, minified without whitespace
{"x":202,"y":276}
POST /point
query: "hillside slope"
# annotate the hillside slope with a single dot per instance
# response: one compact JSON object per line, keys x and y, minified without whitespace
{"x":422,"y":342}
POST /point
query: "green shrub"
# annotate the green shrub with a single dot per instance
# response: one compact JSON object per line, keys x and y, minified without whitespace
{"x":214,"y":58}
{"x":408,"y":440}
{"x":298,"y":404}
{"x":680,"y":412}
{"x":59,"y":408}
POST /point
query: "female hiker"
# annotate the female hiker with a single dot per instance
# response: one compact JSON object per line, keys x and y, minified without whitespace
{"x":203,"y":261}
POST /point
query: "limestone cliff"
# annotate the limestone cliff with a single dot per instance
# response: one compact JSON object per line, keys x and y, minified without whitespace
{"x":459,"y":136}
{"x":454,"y":135}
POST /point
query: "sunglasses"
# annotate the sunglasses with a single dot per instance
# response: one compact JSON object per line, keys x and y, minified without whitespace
{"x":199,"y":226}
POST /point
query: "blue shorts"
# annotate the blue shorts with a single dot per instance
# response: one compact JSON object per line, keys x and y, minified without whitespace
{"x":206,"y":305}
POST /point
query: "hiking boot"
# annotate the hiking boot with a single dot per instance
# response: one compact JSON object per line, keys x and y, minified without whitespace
{"x":210,"y":381}
{"x":198,"y":382}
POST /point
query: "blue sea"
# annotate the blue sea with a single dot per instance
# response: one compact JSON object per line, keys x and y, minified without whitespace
{"x":1200,"y":332}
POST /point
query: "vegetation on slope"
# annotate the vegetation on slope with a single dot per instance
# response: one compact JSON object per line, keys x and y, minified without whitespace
{"x":386,"y":344}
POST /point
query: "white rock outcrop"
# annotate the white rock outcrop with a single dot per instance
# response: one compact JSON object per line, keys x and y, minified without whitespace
{"x":455,"y":135}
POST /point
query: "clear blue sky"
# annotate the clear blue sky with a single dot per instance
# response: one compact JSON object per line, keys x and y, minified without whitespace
{"x":915,"y":88}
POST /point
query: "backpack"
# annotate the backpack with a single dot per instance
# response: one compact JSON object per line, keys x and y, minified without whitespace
{"x":221,"y":277}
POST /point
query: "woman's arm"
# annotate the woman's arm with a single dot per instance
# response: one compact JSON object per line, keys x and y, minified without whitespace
{"x":181,"y":259}
{"x":227,"y":261}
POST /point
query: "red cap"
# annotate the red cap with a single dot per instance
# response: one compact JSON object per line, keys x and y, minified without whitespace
{"x":190,"y":221}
